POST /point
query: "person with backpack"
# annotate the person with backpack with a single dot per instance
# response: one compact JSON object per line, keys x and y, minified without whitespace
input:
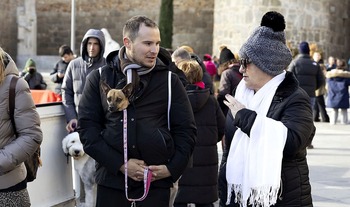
{"x":141,"y":150}
{"x":16,"y":145}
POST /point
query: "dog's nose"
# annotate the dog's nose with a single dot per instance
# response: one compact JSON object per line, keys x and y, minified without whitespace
{"x":76,"y":152}
{"x":111,"y":108}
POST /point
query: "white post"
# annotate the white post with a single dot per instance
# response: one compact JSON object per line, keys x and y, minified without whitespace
{"x":27,"y":29}
{"x":72,"y":33}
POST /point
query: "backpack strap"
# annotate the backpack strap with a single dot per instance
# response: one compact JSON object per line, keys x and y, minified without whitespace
{"x":12,"y":96}
{"x":169,"y":98}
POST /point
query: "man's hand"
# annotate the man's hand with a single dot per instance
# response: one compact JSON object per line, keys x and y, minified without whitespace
{"x":135,"y":169}
{"x":72,"y":124}
{"x":159,"y":172}
{"x":60,"y":74}
{"x":233,"y":104}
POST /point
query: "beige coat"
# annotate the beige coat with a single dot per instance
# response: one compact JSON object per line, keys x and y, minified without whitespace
{"x":14,"y":151}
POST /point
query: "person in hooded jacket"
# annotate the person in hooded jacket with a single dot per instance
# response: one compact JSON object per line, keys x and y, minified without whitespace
{"x":198,"y":184}
{"x":92,"y":49}
{"x":155,"y":135}
{"x":32,"y":76}
{"x":14,"y":150}
{"x":111,"y":44}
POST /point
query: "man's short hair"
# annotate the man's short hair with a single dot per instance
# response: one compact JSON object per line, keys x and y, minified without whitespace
{"x":132,"y":26}
{"x":64,"y":49}
{"x":181,"y":53}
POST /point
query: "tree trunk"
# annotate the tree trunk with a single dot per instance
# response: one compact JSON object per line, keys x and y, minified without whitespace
{"x":166,"y":23}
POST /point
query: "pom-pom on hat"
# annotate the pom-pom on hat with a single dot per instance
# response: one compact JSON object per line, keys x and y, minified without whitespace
{"x":226,"y":55}
{"x":304,"y":48}
{"x":266,"y":47}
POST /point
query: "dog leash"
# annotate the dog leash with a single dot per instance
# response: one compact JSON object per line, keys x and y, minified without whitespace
{"x":147,"y":174}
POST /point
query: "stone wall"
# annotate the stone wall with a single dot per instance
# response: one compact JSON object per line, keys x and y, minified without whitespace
{"x":8,"y":31}
{"x":204,"y":25}
{"x":323,"y":22}
{"x":193,"y":25}
{"x":54,"y":20}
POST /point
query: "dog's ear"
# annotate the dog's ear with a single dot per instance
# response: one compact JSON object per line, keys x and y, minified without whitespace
{"x":127,"y":90}
{"x":64,"y":145}
{"x":105,"y":87}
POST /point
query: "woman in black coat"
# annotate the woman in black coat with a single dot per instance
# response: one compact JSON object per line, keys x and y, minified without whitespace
{"x":266,"y":164}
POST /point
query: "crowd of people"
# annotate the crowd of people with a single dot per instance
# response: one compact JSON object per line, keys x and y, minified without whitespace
{"x":162,"y":149}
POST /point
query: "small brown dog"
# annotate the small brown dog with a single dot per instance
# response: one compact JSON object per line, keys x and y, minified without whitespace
{"x":117,"y":99}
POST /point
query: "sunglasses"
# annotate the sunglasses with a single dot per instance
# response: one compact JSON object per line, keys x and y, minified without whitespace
{"x":244,"y":62}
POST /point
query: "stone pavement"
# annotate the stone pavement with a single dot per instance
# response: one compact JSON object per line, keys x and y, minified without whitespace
{"x":329,"y":164}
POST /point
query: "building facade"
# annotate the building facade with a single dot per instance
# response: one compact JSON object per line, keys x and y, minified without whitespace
{"x":39,"y":27}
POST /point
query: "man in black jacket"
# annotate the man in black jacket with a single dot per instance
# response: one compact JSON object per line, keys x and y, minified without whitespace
{"x":57,"y":74}
{"x":156,"y":132}
{"x":308,"y":73}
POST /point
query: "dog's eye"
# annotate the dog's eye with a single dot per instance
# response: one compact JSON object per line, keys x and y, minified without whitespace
{"x":118,"y":99}
{"x":109,"y":98}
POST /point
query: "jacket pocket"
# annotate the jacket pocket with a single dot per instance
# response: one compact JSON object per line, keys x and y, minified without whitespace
{"x":157,"y":147}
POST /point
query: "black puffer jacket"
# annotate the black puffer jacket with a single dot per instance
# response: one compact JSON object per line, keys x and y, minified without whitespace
{"x":291,"y":106}
{"x":149,"y":139}
{"x":308,"y":73}
{"x":199,"y":183}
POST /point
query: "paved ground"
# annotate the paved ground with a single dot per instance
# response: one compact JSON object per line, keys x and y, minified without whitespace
{"x":329,"y":164}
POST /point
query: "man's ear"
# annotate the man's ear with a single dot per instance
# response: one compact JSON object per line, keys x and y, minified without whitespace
{"x":127,"y":42}
{"x":105,"y":87}
{"x":127,"y":90}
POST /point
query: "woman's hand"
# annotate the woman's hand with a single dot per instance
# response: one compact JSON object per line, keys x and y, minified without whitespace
{"x":233,"y":104}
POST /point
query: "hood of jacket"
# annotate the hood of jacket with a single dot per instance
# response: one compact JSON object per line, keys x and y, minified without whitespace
{"x":95,"y":33}
{"x":334,"y":73}
{"x":11,"y":68}
{"x":198,"y":97}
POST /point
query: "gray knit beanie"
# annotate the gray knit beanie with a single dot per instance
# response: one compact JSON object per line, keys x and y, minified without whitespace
{"x":266,"y":47}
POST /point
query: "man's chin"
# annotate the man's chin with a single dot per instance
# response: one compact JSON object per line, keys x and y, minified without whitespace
{"x":149,"y":64}
{"x":92,"y":56}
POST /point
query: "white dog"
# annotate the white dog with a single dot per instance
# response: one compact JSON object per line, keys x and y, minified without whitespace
{"x":84,"y":165}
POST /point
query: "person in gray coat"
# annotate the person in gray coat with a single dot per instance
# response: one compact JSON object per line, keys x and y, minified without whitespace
{"x":92,"y":48}
{"x":14,"y":150}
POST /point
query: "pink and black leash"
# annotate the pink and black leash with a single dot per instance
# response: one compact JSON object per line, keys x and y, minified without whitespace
{"x":147,"y":174}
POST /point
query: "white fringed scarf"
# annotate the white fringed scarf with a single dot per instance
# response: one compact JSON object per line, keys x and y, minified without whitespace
{"x":253,"y":167}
